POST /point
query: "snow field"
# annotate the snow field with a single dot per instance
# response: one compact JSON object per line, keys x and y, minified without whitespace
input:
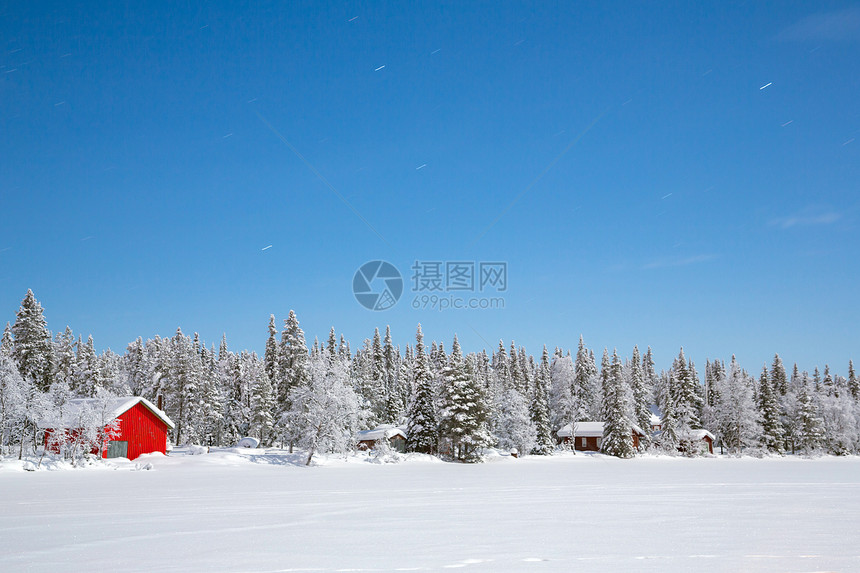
{"x":259,"y":510}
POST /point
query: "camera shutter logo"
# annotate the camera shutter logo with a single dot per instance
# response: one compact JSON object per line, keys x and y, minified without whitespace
{"x":377,"y":285}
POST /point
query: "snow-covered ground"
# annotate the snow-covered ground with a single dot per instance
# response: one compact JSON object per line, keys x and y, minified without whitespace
{"x":249,"y":510}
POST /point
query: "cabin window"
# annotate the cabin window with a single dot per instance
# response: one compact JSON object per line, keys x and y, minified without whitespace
{"x":581,"y":442}
{"x":117,"y":449}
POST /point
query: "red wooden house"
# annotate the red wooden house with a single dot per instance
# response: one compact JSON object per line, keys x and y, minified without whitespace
{"x":139,"y":427}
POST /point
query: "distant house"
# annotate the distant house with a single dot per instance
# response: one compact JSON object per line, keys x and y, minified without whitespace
{"x":141,"y":428}
{"x":589,"y":436}
{"x":702,"y":440}
{"x":396,"y":438}
{"x":656,"y":418}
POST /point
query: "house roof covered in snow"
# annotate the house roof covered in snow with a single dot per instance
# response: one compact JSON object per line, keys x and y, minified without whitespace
{"x":380,"y":432}
{"x":700,"y":435}
{"x":76,"y":409}
{"x":590,"y":430}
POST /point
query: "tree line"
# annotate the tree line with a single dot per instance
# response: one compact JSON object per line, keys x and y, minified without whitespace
{"x":449,"y":403}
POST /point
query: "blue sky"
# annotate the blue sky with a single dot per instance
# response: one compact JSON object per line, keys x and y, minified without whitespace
{"x":663,"y":175}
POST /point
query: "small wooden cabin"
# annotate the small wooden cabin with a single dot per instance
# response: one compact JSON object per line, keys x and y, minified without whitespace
{"x":589,"y":436}
{"x":141,"y":427}
{"x":396,"y":438}
{"x":702,"y":440}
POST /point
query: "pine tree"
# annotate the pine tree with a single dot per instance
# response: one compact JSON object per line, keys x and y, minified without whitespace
{"x":463,"y":418}
{"x":739,"y":419}
{"x":827,"y":382}
{"x":772,"y":432}
{"x":540,"y":408}
{"x":423,"y":428}
{"x":501,"y":368}
{"x":394,"y":394}
{"x":810,"y":434}
{"x":273,"y":354}
{"x":777,"y":376}
{"x":375,"y":383}
{"x":293,"y":366}
{"x":585,"y":385}
{"x":32,"y":348}
{"x":687,"y":402}
{"x":262,"y":403}
{"x":331,"y":345}
{"x":86,"y":380}
{"x":853,"y":382}
{"x":7,"y":342}
{"x":641,"y":395}
{"x":617,"y":431}
{"x":211,"y":400}
{"x":184,"y":376}
{"x":64,"y":357}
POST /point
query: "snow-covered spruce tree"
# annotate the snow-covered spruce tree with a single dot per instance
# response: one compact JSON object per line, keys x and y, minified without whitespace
{"x":422,"y":428}
{"x":539,"y":409}
{"x":86,"y":379}
{"x":398,"y":396}
{"x":375,"y":384}
{"x":778,"y":379}
{"x":262,"y":404}
{"x":230,"y":380}
{"x":7,"y":342}
{"x":687,"y":399}
{"x":183,"y":380}
{"x":463,"y":419}
{"x":394,"y":393}
{"x":739,"y":417}
{"x":32,"y":348}
{"x":64,"y":357}
{"x":501,"y":368}
{"x":586,"y":385}
{"x":641,"y":396}
{"x":113,"y":373}
{"x":772,"y":436}
{"x":714,"y":379}
{"x":669,"y":435}
{"x":293,"y":369}
{"x":272,"y":356}
{"x":331,"y":346}
{"x":211,"y":401}
{"x":325,"y":410}
{"x":617,"y":431}
{"x":809,"y":426}
{"x":293,"y":360}
{"x":853,"y":382}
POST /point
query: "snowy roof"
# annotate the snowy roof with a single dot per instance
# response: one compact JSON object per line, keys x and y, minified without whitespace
{"x":380,"y":432}
{"x":700,"y":435}
{"x":655,"y":420}
{"x":590,"y":430}
{"x":114,"y":407}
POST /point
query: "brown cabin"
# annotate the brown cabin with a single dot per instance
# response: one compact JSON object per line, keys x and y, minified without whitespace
{"x":396,"y":438}
{"x":589,"y":436}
